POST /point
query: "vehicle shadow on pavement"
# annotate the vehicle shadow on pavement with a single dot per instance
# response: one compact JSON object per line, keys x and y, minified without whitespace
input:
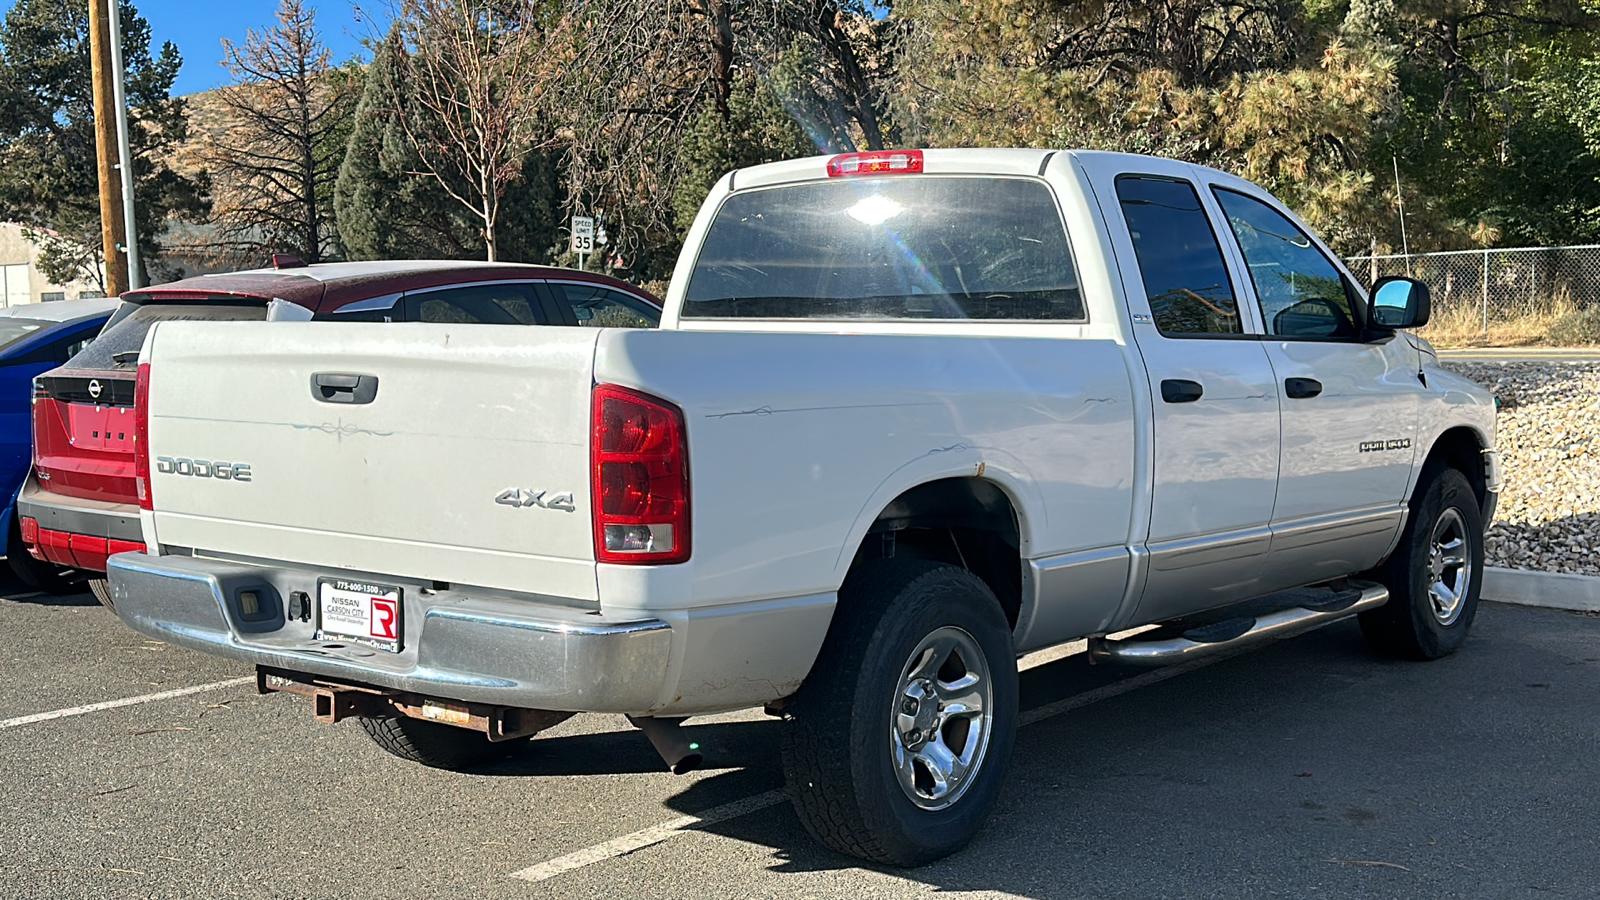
{"x":795,"y":852}
{"x":11,"y":588}
{"x":1309,"y":767}
{"x":737,"y":745}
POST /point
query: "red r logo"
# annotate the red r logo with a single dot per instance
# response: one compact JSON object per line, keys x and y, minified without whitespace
{"x":384,"y":615}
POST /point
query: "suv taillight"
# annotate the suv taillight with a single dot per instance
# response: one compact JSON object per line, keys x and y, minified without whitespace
{"x":640,"y":463}
{"x":141,"y":436}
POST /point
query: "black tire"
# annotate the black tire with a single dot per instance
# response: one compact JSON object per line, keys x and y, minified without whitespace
{"x":101,"y":588}
{"x":1415,"y":623}
{"x":845,"y":732}
{"x":36,"y":573}
{"x":432,"y":744}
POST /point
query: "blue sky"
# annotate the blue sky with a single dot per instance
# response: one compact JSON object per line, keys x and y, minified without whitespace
{"x":198,"y":27}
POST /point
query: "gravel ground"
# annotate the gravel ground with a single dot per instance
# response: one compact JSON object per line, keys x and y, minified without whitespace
{"x":1549,"y":515}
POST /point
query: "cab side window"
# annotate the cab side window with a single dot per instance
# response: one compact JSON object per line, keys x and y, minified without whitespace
{"x":1180,"y":260}
{"x":598,"y":307}
{"x":489,"y":304}
{"x":1301,"y":292}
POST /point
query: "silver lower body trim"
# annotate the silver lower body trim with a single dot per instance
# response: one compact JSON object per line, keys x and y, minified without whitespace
{"x":1073,"y":595}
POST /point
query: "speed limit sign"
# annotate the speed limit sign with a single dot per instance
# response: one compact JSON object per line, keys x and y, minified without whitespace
{"x":583,"y":234}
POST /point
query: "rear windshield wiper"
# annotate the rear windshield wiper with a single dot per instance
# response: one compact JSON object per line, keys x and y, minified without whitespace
{"x":124,"y":357}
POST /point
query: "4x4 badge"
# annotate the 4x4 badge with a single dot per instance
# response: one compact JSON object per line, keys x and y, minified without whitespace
{"x":523,"y":499}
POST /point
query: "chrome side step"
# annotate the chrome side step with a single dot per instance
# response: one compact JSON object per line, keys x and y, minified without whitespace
{"x":1230,"y":634}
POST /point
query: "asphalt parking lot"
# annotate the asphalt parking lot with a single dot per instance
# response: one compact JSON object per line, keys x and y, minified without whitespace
{"x":1308,"y":768}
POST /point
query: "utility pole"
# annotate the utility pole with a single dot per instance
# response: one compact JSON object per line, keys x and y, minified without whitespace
{"x":130,"y":225}
{"x":103,"y":71}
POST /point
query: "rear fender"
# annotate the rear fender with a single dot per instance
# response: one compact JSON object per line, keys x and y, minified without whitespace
{"x":959,"y":461}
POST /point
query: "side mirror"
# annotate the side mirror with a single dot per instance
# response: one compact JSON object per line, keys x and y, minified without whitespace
{"x":1398,"y":303}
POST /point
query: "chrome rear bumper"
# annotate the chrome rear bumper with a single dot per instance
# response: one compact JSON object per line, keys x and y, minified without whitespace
{"x":456,"y":645}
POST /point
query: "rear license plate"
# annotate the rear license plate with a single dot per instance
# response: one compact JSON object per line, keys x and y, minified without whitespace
{"x":359,"y":612}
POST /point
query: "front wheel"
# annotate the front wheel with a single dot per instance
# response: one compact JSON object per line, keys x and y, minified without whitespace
{"x":1434,"y":575}
{"x":898,"y":741}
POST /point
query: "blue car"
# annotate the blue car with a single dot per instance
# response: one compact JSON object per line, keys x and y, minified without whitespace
{"x":34,"y":339}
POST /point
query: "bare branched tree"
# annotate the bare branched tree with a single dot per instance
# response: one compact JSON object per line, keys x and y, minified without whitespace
{"x":640,"y":73}
{"x":480,"y":79}
{"x":274,"y":167}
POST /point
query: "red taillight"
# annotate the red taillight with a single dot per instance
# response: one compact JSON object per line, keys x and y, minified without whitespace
{"x":876,"y":162}
{"x":141,"y":436}
{"x":640,"y":464}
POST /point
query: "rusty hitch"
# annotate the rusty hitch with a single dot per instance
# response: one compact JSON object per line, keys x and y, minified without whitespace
{"x":330,"y":702}
{"x":334,"y":701}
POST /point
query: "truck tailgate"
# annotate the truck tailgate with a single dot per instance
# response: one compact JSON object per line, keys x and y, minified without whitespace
{"x":469,"y":465}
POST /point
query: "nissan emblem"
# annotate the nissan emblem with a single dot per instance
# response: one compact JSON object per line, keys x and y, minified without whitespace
{"x":94,"y":389}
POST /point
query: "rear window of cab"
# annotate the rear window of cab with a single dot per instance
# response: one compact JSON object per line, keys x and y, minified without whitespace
{"x":937,"y":247}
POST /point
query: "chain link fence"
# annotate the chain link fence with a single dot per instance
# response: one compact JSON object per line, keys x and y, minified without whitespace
{"x":1521,"y":295}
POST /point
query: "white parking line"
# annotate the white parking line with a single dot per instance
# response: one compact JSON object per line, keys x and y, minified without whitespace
{"x":126,"y":701}
{"x":656,"y":834}
{"x":643,"y":838}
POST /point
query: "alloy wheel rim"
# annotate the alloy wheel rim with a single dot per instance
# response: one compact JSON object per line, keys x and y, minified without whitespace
{"x":1449,"y":567}
{"x":941,"y":718}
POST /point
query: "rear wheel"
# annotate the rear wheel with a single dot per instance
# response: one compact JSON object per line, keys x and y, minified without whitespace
{"x":1434,"y":575}
{"x":101,"y":587}
{"x":432,"y":744}
{"x":35,"y":573}
{"x":900,"y":736}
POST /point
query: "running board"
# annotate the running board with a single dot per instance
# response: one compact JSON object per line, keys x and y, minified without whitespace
{"x":1231,"y":634}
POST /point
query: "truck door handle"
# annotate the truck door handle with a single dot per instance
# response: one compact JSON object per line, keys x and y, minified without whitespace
{"x":1301,"y":388}
{"x":340,"y":387}
{"x":1180,"y":390}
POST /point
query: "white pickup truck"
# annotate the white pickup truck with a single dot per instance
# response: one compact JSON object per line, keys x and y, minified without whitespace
{"x":909,"y":414}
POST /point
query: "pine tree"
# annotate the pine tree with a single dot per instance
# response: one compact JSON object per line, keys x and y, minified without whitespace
{"x":387,"y":210}
{"x":48,"y":177}
{"x":1263,"y":90}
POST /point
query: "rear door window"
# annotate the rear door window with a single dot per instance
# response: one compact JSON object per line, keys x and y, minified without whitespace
{"x":1180,"y":260}
{"x":118,"y":346}
{"x":487,"y":304}
{"x":888,"y":248}
{"x":594,"y":306}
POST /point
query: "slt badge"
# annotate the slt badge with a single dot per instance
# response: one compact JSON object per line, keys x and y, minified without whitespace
{"x":522,"y":499}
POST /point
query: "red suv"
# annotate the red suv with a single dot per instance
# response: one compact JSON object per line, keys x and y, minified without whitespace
{"x":79,"y":505}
